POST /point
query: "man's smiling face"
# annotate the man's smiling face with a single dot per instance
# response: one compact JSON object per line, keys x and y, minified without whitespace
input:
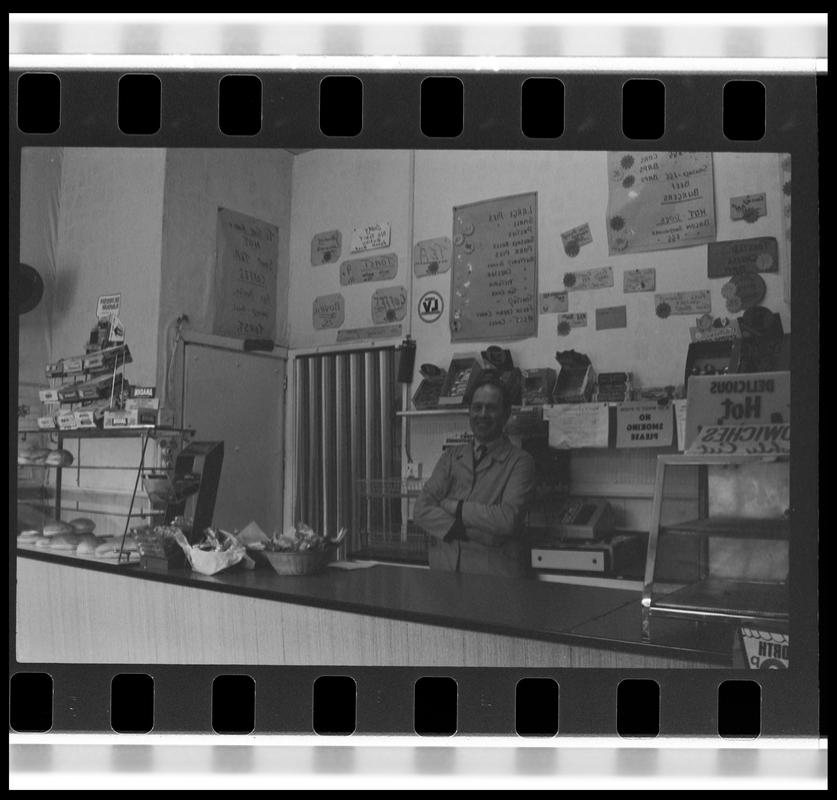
{"x":488,"y":414}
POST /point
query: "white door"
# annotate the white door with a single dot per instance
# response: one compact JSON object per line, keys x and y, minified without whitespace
{"x":238,"y":398}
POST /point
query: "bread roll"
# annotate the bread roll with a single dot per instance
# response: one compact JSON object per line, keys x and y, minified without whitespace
{"x":43,"y":541}
{"x":30,"y":538}
{"x":83,"y":525}
{"x":59,"y":458}
{"x":32,"y":455}
{"x":64,"y":542}
{"x":31,"y":533}
{"x":57,"y":528}
{"x":87,"y":544}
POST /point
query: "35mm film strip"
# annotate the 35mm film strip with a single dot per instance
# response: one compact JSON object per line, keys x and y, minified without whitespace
{"x":116,"y":181}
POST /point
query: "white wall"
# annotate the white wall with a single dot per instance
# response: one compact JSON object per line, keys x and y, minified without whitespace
{"x":337,"y":190}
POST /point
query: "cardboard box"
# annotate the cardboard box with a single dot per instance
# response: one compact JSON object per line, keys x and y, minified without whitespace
{"x":574,"y":385}
{"x":67,"y":421}
{"x":120,"y":419}
{"x":48,"y":395}
{"x":84,"y":419}
{"x":47,"y":423}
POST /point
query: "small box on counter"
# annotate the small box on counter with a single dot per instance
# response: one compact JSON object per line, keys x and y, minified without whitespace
{"x":94,"y":361}
{"x":73,"y":364}
{"x":48,"y":396}
{"x":47,"y":423}
{"x":120,"y":419}
{"x":85,"y":419}
{"x":55,"y":370}
{"x":68,"y":394}
{"x":67,"y":421}
{"x":574,"y":385}
{"x":538,"y":385}
{"x":146,"y":408}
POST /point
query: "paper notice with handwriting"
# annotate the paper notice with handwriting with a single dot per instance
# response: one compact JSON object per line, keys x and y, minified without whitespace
{"x":389,"y":305}
{"x":659,"y":200}
{"x":371,"y":237}
{"x":573,"y":425}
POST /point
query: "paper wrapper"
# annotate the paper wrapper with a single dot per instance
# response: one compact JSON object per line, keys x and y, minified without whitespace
{"x":211,"y":562}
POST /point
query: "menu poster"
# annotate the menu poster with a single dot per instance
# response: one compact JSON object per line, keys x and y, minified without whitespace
{"x":494,"y":275}
{"x":584,"y":280}
{"x":644,"y":424}
{"x":573,"y":425}
{"x":553,"y":302}
{"x":326,"y":248}
{"x":357,"y":334}
{"x":389,"y":305}
{"x":639,"y":280}
{"x":431,"y":256}
{"x":658,"y":201}
{"x":370,"y":237}
{"x":698,"y":302}
{"x":329,"y":311}
{"x":245,"y":276}
{"x":372,"y":268}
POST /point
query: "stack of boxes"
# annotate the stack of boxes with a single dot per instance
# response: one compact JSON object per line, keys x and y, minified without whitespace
{"x":614,"y":387}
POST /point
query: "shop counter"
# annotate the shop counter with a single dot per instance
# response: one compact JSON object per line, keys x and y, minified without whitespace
{"x":76,"y":610}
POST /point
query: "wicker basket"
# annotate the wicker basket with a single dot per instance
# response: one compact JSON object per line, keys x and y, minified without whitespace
{"x":306,"y":562}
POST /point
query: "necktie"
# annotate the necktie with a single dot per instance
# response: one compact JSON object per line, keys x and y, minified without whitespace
{"x":479,"y":454}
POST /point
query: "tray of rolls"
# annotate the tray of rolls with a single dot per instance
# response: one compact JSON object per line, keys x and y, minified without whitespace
{"x":78,"y":537}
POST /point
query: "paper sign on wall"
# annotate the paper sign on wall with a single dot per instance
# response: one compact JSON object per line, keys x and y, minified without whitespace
{"x":643,"y":424}
{"x":574,"y":425}
{"x":600,"y":278}
{"x":430,"y":307}
{"x":698,"y":302}
{"x":431,"y":256}
{"x":329,"y":311}
{"x":575,"y":238}
{"x":389,"y":305}
{"x":381,"y":332}
{"x":639,"y":280}
{"x":748,"y":207}
{"x":728,"y":258}
{"x":494,"y":273}
{"x":658,"y":201}
{"x":756,"y":398}
{"x":370,"y":237}
{"x":566,"y":322}
{"x":326,"y":248}
{"x":372,"y":268}
{"x":613,"y":317}
{"x":553,"y":302}
{"x":107,"y":305}
{"x":245,"y":276}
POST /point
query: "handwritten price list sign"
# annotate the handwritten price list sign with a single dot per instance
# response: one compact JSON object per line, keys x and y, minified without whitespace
{"x":494,"y":281}
{"x":658,"y":201}
{"x":245,"y":276}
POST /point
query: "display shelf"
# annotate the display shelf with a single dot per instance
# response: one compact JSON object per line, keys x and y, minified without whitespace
{"x":734,"y":527}
{"x":746,"y":600}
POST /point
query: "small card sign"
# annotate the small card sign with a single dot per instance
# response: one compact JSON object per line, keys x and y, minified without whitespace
{"x":431,"y":256}
{"x":365,"y":270}
{"x":725,"y":334}
{"x":326,"y":248}
{"x":389,"y":305}
{"x":600,"y":278}
{"x":728,"y":258}
{"x":381,"y":332}
{"x":748,"y":207}
{"x":640,"y":280}
{"x":644,"y":424}
{"x":370,"y":237}
{"x":566,"y":322}
{"x":574,"y":425}
{"x":698,"y":302}
{"x":553,"y":302}
{"x":742,"y":440}
{"x":575,"y":238}
{"x":108,"y":305}
{"x":613,"y":317}
{"x":329,"y":311}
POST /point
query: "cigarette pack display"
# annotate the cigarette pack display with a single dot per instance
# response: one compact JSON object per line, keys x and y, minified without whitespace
{"x":574,"y":385}
{"x":464,"y":372}
{"x":538,"y":385}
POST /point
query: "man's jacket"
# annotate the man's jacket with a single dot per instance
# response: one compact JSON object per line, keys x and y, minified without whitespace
{"x":495,"y":499}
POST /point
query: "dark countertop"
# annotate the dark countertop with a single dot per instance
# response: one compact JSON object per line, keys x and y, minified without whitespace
{"x":553,"y":612}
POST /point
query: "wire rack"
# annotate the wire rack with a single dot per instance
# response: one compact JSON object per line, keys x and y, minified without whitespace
{"x":383,"y":518}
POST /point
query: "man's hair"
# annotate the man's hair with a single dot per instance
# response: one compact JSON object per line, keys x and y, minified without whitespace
{"x":491,"y":378}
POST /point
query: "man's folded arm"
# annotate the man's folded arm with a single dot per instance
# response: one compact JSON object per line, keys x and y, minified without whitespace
{"x":491,"y":524}
{"x":428,"y":514}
